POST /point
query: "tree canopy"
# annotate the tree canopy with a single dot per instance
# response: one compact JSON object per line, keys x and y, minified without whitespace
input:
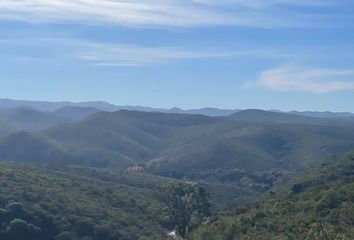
{"x":188,"y":205}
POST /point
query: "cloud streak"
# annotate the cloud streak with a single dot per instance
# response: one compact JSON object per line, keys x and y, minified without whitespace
{"x":317,"y":81}
{"x":134,"y":55}
{"x":165,"y":13}
{"x":269,"y":3}
{"x":118,"y":54}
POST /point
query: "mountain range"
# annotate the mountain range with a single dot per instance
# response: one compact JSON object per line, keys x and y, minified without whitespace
{"x":105,"y":106}
{"x":177,"y":145}
{"x":114,"y":160}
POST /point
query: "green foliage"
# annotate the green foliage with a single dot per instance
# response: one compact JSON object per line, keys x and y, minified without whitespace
{"x":232,"y":159}
{"x":28,"y":119}
{"x":318,"y":231}
{"x":19,"y":229}
{"x":179,"y":145}
{"x":235,"y":159}
{"x":317,"y":205}
{"x":188,"y":205}
{"x":57,"y":203}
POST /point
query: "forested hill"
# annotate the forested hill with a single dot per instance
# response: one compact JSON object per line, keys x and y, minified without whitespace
{"x":61,"y":203}
{"x":179,"y":145}
{"x":317,"y":205}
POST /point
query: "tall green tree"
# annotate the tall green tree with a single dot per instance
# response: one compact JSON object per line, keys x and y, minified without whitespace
{"x":189,"y":205}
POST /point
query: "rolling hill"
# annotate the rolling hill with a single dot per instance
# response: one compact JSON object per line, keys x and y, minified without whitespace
{"x":29,"y":119}
{"x":47,"y":106}
{"x":40,"y":202}
{"x":6,"y":129}
{"x":133,"y":135}
{"x":316,"y":205}
{"x":119,"y":139}
{"x":326,"y":114}
{"x":75,"y":113}
{"x":232,"y":157}
{"x":251,"y":148}
{"x":37,"y":148}
{"x":181,"y":145}
{"x":260,"y":116}
{"x":104,"y":106}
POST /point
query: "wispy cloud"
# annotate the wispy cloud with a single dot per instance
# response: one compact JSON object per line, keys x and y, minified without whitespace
{"x":266,"y":4}
{"x":315,"y":80}
{"x":121,"y":55}
{"x":180,"y":13}
{"x":134,"y":55}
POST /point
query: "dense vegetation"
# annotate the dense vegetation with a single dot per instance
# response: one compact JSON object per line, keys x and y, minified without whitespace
{"x":180,"y":145}
{"x":188,"y":205}
{"x":38,"y":202}
{"x":318,"y":205}
{"x":234,"y":159}
{"x":102,"y":172}
{"x":30,"y":119}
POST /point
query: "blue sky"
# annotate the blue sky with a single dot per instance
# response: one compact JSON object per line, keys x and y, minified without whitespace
{"x":274,"y":54}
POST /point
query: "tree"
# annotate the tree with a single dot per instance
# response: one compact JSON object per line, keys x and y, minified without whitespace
{"x":319,"y":231}
{"x":188,"y":204}
{"x":84,"y":228}
{"x":15,"y":210}
{"x":19,"y":229}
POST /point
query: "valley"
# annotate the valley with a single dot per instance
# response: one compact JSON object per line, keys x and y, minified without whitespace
{"x":126,"y":156}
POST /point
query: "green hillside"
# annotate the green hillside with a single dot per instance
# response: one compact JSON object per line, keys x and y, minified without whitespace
{"x":36,"y":148}
{"x":30,"y":119}
{"x":40,"y":202}
{"x":233,"y":160}
{"x":119,"y":139}
{"x":229,"y":148}
{"x":6,"y":129}
{"x":180,"y":145}
{"x":318,"y":205}
{"x":75,"y":113}
{"x":135,"y":135}
{"x":261,"y":116}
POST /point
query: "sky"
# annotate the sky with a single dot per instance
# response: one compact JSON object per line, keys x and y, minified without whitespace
{"x":236,"y":54}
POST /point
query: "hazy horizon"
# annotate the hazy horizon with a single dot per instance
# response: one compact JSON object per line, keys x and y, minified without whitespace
{"x":180,"y":108}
